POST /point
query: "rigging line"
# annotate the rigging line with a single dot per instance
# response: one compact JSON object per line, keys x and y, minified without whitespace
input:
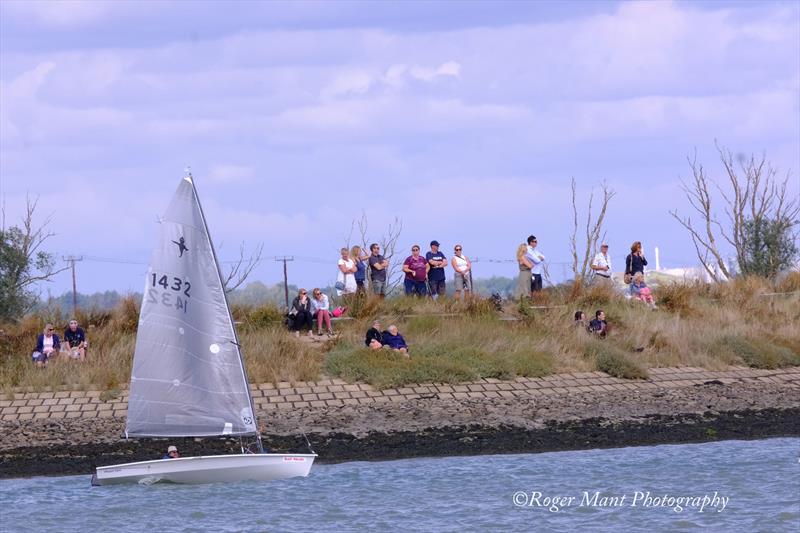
{"x":308,"y":443}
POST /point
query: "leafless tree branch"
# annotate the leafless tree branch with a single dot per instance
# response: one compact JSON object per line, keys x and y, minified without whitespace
{"x":241,"y":269}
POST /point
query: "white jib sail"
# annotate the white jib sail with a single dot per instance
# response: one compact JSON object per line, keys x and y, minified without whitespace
{"x":188,"y":377}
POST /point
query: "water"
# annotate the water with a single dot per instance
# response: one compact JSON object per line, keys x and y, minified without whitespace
{"x":760,"y":478}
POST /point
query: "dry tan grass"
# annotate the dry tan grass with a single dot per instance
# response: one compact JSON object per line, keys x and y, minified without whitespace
{"x":697,"y":325}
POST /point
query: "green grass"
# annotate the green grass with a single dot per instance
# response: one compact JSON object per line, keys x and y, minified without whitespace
{"x":709,"y":326}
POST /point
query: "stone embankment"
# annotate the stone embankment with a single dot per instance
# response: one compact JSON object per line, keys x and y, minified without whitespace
{"x":72,"y":431}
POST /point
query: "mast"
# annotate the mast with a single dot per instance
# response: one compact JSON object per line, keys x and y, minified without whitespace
{"x":190,"y":179}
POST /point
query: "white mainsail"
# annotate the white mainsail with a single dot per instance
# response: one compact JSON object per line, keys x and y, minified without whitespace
{"x":188,"y":376}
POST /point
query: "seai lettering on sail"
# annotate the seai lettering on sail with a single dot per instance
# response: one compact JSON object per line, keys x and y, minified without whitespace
{"x":188,"y":377}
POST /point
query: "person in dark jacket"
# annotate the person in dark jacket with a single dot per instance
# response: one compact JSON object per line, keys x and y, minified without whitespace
{"x":598,"y":326}
{"x":374,"y":338}
{"x":75,"y":341}
{"x":172,"y":453}
{"x":635,"y":262}
{"x":300,"y":313}
{"x":47,"y":346}
{"x":395,"y":341}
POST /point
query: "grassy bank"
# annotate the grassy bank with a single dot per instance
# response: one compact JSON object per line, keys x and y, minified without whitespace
{"x":711,"y":326}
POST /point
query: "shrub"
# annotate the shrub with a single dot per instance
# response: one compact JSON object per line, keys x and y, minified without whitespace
{"x":126,"y":315}
{"x":615,"y":362}
{"x":480,"y":307}
{"x":264,"y":316}
{"x":676,"y":297}
{"x":597,"y":295}
{"x":789,"y":282}
{"x":364,"y":306}
{"x":761,"y":354}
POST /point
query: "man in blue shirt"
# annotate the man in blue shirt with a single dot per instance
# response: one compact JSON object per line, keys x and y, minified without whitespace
{"x":436,"y":275}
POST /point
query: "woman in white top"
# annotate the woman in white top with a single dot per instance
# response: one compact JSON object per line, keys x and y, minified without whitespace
{"x":462,"y":267}
{"x":346,"y":279}
{"x":320,"y":309}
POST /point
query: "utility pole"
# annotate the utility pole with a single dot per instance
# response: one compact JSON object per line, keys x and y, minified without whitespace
{"x":285,"y":259}
{"x":71,"y":259}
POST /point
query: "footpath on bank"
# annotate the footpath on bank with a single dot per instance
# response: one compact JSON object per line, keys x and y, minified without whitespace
{"x":336,"y":392}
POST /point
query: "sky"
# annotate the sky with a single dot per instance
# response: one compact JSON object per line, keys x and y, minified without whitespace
{"x":465,"y":120}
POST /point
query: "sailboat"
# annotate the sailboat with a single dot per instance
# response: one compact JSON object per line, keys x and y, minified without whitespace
{"x":188,"y":377}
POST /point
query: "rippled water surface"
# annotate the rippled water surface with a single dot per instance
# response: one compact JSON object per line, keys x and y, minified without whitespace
{"x":760,"y":479}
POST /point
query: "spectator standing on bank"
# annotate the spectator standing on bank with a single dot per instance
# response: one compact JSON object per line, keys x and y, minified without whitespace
{"x":361,"y":268}
{"x":345,"y":279}
{"x":416,"y":268}
{"x":436,"y":276}
{"x":524,"y":279}
{"x":462,"y":267}
{"x":537,"y":259}
{"x":377,"y":267}
{"x":635,"y":262}
{"x":601,"y":265}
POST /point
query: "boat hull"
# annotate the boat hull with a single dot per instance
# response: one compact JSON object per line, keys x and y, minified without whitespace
{"x":208,"y":469}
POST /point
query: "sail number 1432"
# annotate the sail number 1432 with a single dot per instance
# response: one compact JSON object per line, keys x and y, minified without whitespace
{"x":175,"y":291}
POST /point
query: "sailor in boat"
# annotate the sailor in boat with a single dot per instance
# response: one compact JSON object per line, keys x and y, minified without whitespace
{"x":172,"y":453}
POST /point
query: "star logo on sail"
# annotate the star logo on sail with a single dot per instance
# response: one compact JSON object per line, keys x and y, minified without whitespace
{"x":181,"y":246}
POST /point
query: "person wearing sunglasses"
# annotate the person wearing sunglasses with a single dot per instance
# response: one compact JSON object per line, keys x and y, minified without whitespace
{"x":462,"y":267}
{"x":416,"y":268}
{"x":300,"y":313}
{"x":320,"y":308}
{"x":537,"y":258}
{"x":47,"y":346}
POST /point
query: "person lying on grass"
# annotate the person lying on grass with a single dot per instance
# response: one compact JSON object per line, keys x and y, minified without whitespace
{"x":395,"y":341}
{"x":374,"y":339}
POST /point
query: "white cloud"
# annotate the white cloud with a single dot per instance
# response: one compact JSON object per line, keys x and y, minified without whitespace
{"x":61,"y":13}
{"x":397,"y":121}
{"x":231,"y":173}
{"x":360,"y":82}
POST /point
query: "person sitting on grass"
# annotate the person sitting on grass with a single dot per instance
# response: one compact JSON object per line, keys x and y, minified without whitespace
{"x":320,"y":309}
{"x":395,"y":341}
{"x":580,"y":319}
{"x":598,"y":326}
{"x":47,"y":346}
{"x":640,"y":291}
{"x":301,"y":313}
{"x":374,"y":340}
{"x":75,"y":341}
{"x":172,"y":453}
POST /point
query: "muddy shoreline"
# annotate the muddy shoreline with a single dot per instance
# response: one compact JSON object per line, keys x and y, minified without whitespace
{"x":433,"y":428}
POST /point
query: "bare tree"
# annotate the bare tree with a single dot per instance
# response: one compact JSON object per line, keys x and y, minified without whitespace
{"x":23,"y":262}
{"x":241,"y":268}
{"x":754,"y":194}
{"x":388,"y":244}
{"x":593,"y":230}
